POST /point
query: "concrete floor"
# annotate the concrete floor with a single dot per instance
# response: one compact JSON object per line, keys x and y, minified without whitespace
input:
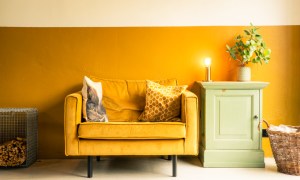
{"x":129,"y":168}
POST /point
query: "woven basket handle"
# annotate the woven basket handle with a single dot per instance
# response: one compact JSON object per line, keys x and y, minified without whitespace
{"x":264,"y":122}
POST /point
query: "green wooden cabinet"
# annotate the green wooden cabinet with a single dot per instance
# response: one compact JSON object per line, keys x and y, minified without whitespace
{"x":230,"y":113}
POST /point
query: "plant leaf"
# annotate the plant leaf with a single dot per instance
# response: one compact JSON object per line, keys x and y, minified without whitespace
{"x":228,"y":47}
{"x":247,"y":32}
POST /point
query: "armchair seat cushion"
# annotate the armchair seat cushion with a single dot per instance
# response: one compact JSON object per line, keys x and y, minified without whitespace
{"x":132,"y":130}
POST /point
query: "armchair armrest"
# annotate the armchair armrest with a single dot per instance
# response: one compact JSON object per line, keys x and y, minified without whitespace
{"x":190,"y":115}
{"x":72,"y":117}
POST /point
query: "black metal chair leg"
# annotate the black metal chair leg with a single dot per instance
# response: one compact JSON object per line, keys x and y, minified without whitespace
{"x":90,"y":167}
{"x":166,"y":157}
{"x":98,"y":158}
{"x":174,"y":165}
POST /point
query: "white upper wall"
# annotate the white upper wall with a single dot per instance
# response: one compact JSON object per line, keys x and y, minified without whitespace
{"x":115,"y":13}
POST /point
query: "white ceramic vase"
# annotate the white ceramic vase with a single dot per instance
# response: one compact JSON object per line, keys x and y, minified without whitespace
{"x":244,"y":73}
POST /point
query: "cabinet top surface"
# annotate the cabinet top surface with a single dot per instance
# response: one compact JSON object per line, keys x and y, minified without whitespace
{"x":233,"y":85}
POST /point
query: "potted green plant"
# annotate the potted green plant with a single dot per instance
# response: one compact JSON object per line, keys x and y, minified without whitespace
{"x":248,"y":48}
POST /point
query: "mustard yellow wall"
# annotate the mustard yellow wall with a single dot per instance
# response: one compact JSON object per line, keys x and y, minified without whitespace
{"x":40,"y":66}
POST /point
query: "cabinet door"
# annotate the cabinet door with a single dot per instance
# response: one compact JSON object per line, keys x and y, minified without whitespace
{"x":232,"y":119}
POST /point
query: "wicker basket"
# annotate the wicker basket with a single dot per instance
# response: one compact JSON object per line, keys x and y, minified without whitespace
{"x":20,"y":122}
{"x":286,"y":150}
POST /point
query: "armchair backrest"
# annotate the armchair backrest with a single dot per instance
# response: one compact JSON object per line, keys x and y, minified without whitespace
{"x":124,"y":100}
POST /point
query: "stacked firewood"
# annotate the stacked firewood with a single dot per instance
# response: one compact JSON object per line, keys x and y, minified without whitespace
{"x":13,"y":153}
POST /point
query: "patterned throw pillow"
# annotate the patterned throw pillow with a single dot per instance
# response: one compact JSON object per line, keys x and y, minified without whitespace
{"x":162,"y":102}
{"x":93,"y":110}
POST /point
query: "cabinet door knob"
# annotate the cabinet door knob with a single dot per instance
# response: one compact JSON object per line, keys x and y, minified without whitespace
{"x":256,"y":117}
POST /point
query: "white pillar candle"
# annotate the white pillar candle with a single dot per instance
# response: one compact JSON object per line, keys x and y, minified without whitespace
{"x":207,"y":63}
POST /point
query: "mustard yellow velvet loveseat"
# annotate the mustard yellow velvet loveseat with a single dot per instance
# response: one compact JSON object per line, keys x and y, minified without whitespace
{"x":124,"y":101}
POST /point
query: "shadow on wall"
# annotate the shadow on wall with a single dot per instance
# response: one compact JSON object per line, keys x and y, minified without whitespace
{"x":293,"y":77}
{"x":51,"y":127}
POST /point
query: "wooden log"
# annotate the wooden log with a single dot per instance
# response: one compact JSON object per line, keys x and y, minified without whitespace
{"x":13,"y":153}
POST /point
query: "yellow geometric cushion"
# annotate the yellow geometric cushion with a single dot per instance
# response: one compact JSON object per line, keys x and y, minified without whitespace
{"x":162,"y":102}
{"x":124,"y":100}
{"x":132,"y":130}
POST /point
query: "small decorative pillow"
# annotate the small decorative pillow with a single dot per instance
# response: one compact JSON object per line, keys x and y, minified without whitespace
{"x":162,"y":102}
{"x":92,"y":108}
